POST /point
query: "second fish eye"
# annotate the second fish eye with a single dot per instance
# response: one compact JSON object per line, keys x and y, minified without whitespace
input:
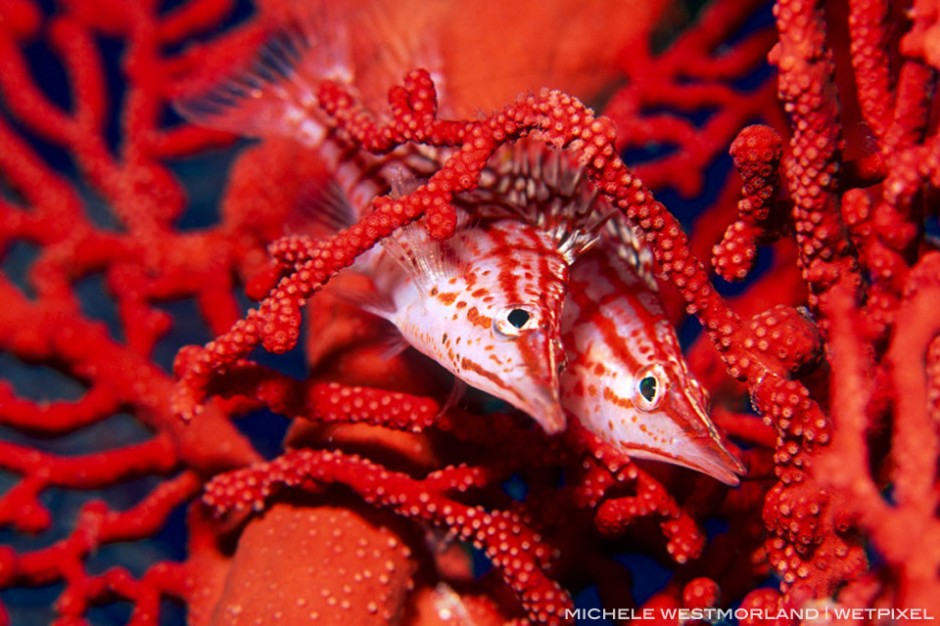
{"x":647,"y":388}
{"x":650,"y":387}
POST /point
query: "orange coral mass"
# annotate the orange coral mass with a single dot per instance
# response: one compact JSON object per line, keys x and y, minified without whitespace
{"x":315,"y":565}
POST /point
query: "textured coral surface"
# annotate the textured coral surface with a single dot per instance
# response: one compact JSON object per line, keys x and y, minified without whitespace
{"x":192,"y":431}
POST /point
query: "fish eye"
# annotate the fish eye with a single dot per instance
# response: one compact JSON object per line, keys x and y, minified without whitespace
{"x":650,"y":387}
{"x":518,"y":317}
{"x":513,"y":321}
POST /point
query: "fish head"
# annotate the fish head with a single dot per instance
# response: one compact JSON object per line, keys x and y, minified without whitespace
{"x":528,"y":355}
{"x":486,"y":305}
{"x":627,"y":381}
{"x":501,"y":318}
{"x":669,"y":421}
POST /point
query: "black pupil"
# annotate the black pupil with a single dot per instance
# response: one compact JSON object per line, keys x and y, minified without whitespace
{"x":518,"y":318}
{"x":648,"y":388}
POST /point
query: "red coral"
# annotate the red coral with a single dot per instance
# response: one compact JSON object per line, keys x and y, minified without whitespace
{"x":756,"y":153}
{"x":384,"y":483}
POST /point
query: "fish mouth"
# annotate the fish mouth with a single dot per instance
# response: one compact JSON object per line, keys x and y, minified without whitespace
{"x":683,"y":434}
{"x":704,"y":448}
{"x":544,"y":406}
{"x":713,"y":460}
{"x":542,"y":401}
{"x":718,"y":462}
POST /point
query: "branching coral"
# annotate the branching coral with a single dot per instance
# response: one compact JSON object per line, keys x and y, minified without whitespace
{"x":385,"y":487}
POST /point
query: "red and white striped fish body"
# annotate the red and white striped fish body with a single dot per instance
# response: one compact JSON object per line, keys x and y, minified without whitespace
{"x":486,"y":305}
{"x":626,"y":380}
{"x":496,"y":326}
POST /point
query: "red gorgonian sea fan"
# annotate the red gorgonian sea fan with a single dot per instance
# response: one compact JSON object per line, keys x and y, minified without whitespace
{"x":384,"y":494}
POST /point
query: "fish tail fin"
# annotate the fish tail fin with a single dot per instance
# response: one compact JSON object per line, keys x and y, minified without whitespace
{"x":393,"y":37}
{"x":273,"y":93}
{"x":321,"y":210}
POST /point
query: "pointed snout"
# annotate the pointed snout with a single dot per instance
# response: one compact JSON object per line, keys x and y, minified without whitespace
{"x":544,"y":406}
{"x":683,"y":434}
{"x":711,"y":455}
{"x":714,"y":459}
{"x":543,"y":356}
{"x":701,"y":454}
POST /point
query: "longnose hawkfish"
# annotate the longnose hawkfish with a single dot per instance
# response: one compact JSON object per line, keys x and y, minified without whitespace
{"x":486,"y":304}
{"x":626,"y":380}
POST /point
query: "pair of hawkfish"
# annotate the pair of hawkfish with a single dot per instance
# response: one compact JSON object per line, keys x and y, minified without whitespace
{"x":543,"y":297}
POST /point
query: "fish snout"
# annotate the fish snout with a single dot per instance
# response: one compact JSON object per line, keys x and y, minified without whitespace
{"x":680,"y":432}
{"x":714,"y":459}
{"x":711,"y":454}
{"x":544,"y":405}
{"x":544,"y":357}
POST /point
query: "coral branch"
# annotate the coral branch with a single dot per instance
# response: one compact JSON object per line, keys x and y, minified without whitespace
{"x":756,"y":153}
{"x":519,"y":555}
{"x":812,"y":168}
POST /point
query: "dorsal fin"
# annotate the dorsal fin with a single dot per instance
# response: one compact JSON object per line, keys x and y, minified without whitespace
{"x":546,"y":188}
{"x":631,"y":249}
